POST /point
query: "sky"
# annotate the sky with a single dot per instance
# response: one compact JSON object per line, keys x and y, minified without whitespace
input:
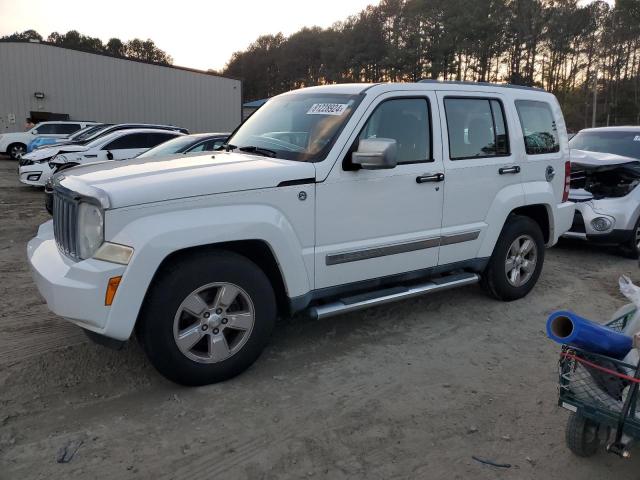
{"x":196,"y":33}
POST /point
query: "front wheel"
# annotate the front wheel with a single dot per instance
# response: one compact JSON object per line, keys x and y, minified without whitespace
{"x":207,"y":318}
{"x":630,"y":248}
{"x":516,"y":262}
{"x":16,"y":150}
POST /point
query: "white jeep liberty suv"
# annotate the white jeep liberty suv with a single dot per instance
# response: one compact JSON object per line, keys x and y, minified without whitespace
{"x":327,"y":200}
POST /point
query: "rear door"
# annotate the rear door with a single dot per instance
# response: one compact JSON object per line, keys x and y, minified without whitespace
{"x":480,"y":167}
{"x":541,"y":124}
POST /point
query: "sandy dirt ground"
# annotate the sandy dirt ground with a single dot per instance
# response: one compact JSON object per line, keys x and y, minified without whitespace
{"x":410,"y":390}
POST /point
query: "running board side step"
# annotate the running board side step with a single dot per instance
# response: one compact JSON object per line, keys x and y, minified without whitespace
{"x":388,"y":295}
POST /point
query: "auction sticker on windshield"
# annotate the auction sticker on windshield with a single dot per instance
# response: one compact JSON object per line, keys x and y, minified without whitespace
{"x":327,"y":108}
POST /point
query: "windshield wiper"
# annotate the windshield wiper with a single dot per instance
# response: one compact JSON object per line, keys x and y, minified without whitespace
{"x":260,"y":151}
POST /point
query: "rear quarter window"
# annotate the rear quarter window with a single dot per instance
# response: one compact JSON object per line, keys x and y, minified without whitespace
{"x":538,"y":126}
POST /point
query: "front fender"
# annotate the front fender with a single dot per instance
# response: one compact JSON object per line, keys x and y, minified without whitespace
{"x":154,"y":237}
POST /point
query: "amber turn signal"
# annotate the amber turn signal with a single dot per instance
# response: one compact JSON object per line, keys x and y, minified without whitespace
{"x":112,"y":288}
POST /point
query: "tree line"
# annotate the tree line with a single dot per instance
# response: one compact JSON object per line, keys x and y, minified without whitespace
{"x":564,"y":46}
{"x":145,"y":50}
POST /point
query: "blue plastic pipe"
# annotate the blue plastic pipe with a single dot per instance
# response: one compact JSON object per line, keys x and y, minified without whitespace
{"x":570,"y":329}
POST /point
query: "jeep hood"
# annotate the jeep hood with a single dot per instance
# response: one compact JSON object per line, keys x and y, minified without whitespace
{"x":50,"y":151}
{"x":148,"y":180}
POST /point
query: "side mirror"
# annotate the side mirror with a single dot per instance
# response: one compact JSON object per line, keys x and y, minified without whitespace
{"x":109,"y":155}
{"x":376,"y":153}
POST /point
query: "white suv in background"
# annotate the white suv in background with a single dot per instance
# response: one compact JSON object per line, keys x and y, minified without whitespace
{"x":119,"y":145}
{"x":326,"y":200}
{"x":15,"y":144}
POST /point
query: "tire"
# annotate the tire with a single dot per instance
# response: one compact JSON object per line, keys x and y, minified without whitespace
{"x":495,"y":279}
{"x":16,"y":150}
{"x":582,"y":436}
{"x":630,"y":249}
{"x":222,"y":351}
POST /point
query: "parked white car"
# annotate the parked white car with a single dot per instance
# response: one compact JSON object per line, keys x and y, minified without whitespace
{"x":15,"y":144}
{"x":605,"y":178}
{"x":38,"y":166}
{"x":327,"y":200}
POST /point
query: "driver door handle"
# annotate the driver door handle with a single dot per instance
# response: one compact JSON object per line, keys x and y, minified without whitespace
{"x":435,"y":177}
{"x":505,"y":170}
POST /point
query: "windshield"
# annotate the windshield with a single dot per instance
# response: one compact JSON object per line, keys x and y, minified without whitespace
{"x":622,"y":143}
{"x":298,"y":126}
{"x":175,"y":145}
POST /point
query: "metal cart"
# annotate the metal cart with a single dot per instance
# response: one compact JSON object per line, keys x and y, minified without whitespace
{"x":601,"y":393}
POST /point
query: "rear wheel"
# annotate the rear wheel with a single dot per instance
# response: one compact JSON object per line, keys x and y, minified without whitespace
{"x":207,"y":318}
{"x":582,"y":435}
{"x":16,"y":150}
{"x":517,"y":259}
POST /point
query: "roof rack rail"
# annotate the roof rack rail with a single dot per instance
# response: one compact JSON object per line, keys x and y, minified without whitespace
{"x":485,"y":84}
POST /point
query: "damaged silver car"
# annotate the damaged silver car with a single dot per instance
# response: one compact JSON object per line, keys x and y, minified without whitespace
{"x":605,"y":174}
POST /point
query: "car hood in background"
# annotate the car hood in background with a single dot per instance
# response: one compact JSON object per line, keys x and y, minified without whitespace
{"x":598,"y":159}
{"x":148,"y":180}
{"x":50,"y":151}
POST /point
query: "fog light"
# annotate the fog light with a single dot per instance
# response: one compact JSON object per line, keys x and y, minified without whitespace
{"x":34,"y":177}
{"x":601,"y":224}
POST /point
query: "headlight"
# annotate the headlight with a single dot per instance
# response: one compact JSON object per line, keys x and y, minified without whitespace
{"x":90,"y":229}
{"x":601,"y":224}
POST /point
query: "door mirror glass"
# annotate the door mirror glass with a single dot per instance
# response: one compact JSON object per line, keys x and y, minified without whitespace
{"x":376,"y":153}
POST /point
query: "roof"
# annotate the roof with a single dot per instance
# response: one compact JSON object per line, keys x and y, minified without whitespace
{"x":121,"y":133}
{"x":255,"y":103}
{"x":377,"y":88}
{"x":104,"y":54}
{"x":627,"y":128}
{"x":483,"y":84}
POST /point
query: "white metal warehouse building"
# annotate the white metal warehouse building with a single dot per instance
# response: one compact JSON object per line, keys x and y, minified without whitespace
{"x":44,"y":81}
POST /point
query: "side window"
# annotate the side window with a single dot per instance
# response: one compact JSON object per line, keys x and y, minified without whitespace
{"x":66,"y":128}
{"x":407,"y":121}
{"x":134,"y":140}
{"x":476,"y":127}
{"x":154,"y":139}
{"x":207,"y":146}
{"x":539,"y":127}
{"x":46,"y":129}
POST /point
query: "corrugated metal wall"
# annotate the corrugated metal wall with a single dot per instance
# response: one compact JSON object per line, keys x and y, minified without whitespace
{"x":97,"y":87}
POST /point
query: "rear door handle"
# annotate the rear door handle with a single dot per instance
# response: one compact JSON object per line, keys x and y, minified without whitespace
{"x":505,"y":170}
{"x":436,"y":177}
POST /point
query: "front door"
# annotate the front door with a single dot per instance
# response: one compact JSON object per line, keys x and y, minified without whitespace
{"x":376,"y":223}
{"x":481,"y":170}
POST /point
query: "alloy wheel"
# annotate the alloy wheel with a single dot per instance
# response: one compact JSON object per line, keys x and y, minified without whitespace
{"x":522,"y":257}
{"x":213,"y":322}
{"x":17,"y":151}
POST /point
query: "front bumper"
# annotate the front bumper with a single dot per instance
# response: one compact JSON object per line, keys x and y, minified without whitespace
{"x":582,"y":227}
{"x":73,"y":290}
{"x":35,"y":175}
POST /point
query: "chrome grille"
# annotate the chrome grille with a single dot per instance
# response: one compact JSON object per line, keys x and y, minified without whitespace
{"x":65,"y":224}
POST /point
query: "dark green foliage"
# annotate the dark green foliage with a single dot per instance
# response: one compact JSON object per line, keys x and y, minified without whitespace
{"x":558,"y":45}
{"x":139,"y":49}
